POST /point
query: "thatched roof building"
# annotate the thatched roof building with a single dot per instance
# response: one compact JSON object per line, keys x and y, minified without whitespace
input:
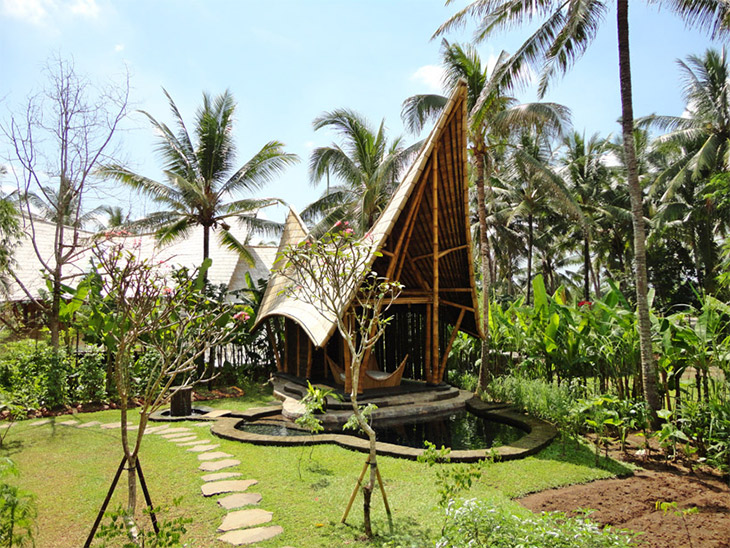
{"x":421,"y":239}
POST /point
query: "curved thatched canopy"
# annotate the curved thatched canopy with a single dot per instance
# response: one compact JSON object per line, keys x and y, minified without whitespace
{"x":422,"y":237}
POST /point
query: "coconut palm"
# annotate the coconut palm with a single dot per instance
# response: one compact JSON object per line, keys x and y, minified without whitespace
{"x":586,"y":175}
{"x":202,"y":183}
{"x":699,"y":145}
{"x":566,"y":30}
{"x":492,"y":117}
{"x":366,"y":164}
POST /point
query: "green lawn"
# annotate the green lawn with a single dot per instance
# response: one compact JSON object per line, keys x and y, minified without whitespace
{"x":69,"y":470}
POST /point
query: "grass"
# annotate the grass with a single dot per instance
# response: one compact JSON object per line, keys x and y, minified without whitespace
{"x":69,"y":470}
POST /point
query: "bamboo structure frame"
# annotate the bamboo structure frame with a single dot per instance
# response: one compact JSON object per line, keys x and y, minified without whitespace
{"x":422,"y":239}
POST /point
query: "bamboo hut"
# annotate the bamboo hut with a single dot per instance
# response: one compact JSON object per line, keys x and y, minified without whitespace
{"x":421,"y":239}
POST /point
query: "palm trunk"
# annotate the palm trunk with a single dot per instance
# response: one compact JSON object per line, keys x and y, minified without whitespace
{"x":648,"y":366}
{"x":484,"y":370}
{"x":586,"y":270}
{"x":529,"y":259}
{"x":206,"y":242}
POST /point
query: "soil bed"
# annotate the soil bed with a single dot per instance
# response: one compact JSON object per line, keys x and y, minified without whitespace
{"x":630,"y":503}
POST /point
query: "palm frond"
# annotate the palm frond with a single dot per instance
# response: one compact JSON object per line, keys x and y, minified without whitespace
{"x":266,"y":164}
{"x":418,"y":110}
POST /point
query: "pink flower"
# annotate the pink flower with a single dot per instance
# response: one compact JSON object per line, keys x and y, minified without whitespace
{"x":241,"y":316}
{"x":338,"y":223}
{"x":167,"y":291}
{"x":348,"y":231}
{"x":583,"y":303}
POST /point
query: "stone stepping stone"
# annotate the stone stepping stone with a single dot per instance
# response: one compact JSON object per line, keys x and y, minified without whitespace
{"x":187,"y":439}
{"x":155,"y":429}
{"x":201,"y":448}
{"x":226,"y":486}
{"x":215,"y":465}
{"x":213,"y":455}
{"x":239,"y":499}
{"x":221,"y":475}
{"x":112,"y":425}
{"x":190,"y":443}
{"x":177,"y":435}
{"x":7,"y":425}
{"x":40,"y":422}
{"x":169,"y":430}
{"x":133,"y":428}
{"x":69,"y":423}
{"x":249,"y":536}
{"x":201,"y":425}
{"x":215,"y":414}
{"x":245,"y":518}
{"x":90,"y":423}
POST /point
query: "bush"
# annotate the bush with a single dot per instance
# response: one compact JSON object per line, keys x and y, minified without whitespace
{"x":550,"y":401}
{"x":35,"y":376}
{"x":477,"y":523}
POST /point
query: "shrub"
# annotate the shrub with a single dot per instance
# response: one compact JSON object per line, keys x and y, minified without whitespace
{"x":477,"y":523}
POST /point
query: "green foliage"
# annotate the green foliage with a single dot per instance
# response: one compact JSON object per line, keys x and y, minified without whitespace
{"x":17,"y":510}
{"x":476,"y":523}
{"x":315,"y":402}
{"x":34,"y":376}
{"x":170,"y":535}
{"x":453,"y":479}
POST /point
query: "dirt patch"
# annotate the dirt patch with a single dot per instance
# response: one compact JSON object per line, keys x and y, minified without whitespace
{"x":630,"y":503}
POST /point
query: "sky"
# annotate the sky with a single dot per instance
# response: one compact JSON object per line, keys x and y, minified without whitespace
{"x":286,"y":62}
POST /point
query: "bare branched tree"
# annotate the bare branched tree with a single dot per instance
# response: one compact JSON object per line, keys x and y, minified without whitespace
{"x":333,"y":275}
{"x":58,"y":140}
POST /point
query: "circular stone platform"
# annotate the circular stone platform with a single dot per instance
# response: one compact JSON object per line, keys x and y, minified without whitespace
{"x":538,"y":433}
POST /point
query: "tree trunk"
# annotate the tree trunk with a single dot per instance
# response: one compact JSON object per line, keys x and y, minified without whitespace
{"x":206,"y":242}
{"x":586,"y":269}
{"x":648,"y":366}
{"x":529,"y":259}
{"x":484,"y":370}
{"x":367,"y":489}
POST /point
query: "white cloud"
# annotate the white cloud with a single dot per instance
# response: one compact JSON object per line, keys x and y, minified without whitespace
{"x":119,"y":47}
{"x":309,"y":145}
{"x":431,"y":76}
{"x":32,"y":11}
{"x":85,"y":8}
{"x":40,"y":12}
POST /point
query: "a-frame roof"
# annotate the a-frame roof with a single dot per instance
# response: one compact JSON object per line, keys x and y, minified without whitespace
{"x":422,"y":236}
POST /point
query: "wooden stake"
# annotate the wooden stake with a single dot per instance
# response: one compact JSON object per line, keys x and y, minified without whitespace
{"x":354,"y":491}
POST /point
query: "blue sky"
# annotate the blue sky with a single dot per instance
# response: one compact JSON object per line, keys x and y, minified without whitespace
{"x":286,"y":62}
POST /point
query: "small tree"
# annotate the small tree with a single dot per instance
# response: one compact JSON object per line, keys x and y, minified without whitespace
{"x":138,"y":307}
{"x":57,"y":141}
{"x":333,"y":275}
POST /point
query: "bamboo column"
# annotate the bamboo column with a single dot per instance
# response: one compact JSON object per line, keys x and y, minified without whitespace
{"x":434,"y":366}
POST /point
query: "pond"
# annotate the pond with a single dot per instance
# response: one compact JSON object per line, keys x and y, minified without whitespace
{"x":459,"y":431}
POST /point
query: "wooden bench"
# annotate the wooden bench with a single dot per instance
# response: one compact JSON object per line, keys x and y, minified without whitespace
{"x":373,"y":377}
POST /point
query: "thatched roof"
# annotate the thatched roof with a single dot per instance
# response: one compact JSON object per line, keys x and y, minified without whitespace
{"x":228,"y":267}
{"x":409,"y":236}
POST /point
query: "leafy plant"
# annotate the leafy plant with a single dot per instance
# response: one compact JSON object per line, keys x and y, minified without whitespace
{"x":17,"y":510}
{"x":170,"y":532}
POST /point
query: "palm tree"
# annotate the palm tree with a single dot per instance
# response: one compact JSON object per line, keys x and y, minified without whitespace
{"x":566,"y":32}
{"x":201,"y":181}
{"x":367,"y":166}
{"x":587,"y":176}
{"x":700,"y":142}
{"x":492,"y":117}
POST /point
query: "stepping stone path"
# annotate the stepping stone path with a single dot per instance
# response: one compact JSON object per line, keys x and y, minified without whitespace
{"x":226,"y":486}
{"x":40,"y":422}
{"x":239,"y":499}
{"x":245,"y":518}
{"x":239,"y":527}
{"x":213,"y":455}
{"x":201,"y":448}
{"x":214,"y":466}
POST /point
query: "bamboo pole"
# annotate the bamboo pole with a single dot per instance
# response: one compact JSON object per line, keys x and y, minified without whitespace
{"x":309,"y":358}
{"x":454,"y":333}
{"x":435,"y":239}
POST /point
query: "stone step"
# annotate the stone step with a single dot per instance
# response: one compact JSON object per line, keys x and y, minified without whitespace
{"x":198,"y":448}
{"x":238,"y":500}
{"x":221,"y":475}
{"x":215,"y":465}
{"x":226,"y":486}
{"x":241,"y":519}
{"x":214,"y":455}
{"x":242,"y":537}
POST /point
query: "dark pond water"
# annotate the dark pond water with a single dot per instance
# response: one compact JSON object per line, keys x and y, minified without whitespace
{"x":458,"y":431}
